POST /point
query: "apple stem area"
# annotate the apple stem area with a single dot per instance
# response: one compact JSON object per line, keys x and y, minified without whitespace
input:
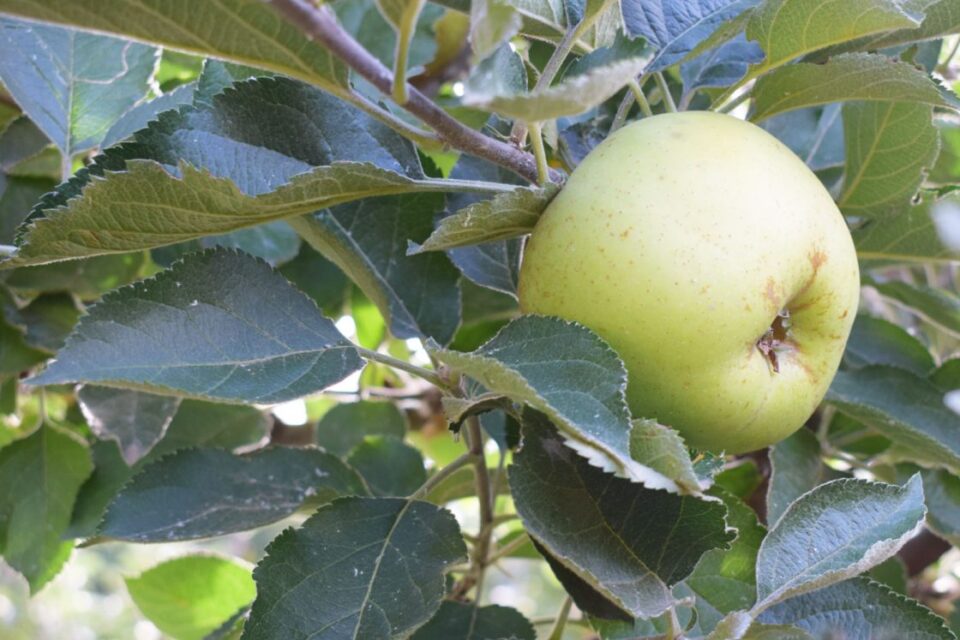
{"x":775,"y":339}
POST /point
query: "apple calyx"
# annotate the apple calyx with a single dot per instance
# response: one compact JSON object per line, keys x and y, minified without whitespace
{"x":776,"y":339}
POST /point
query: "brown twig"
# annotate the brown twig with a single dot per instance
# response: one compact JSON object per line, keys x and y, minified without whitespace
{"x":318,"y":23}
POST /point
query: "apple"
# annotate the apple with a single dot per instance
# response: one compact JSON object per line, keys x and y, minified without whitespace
{"x":714,"y":262}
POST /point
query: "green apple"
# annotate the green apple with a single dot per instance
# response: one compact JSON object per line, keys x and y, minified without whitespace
{"x":714,"y":262}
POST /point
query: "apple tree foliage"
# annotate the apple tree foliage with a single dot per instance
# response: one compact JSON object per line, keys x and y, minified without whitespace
{"x":195,"y":196}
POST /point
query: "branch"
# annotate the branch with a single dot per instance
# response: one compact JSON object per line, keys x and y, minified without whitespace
{"x":318,"y":23}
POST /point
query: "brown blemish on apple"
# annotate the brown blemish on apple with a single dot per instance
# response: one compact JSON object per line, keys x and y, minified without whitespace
{"x":843,"y":315}
{"x":626,"y":232}
{"x":771,"y":293}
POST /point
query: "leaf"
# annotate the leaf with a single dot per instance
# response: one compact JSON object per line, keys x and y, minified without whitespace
{"x":215,"y":325}
{"x":942,"y":18}
{"x":492,"y":22}
{"x":795,"y":469}
{"x":889,"y":148}
{"x":469,"y":622}
{"x":676,"y":28}
{"x":926,"y":232}
{"x":572,"y":96}
{"x":20,"y":141}
{"x":876,"y":341}
{"x":196,"y":424}
{"x":854,"y":76}
{"x":721,"y":66}
{"x":369,"y":568}
{"x":724,"y":580}
{"x":135,"y":420}
{"x":344,"y":426}
{"x":662,"y":449}
{"x":937,"y":306}
{"x":419,"y":296}
{"x":626,"y":541}
{"x":47,"y":320}
{"x":390,"y":467}
{"x":87,"y":279}
{"x":39,"y":479}
{"x":942,"y":493}
{"x":859,"y":609}
{"x":904,"y":408}
{"x":283,"y":172}
{"x":73,"y":85}
{"x":838,"y":530}
{"x":776,"y":26}
{"x":144,"y":113}
{"x":244,"y":31}
{"x":190,"y":597}
{"x":319,"y":278}
{"x":814,"y":134}
{"x":201,"y":493}
{"x":565,"y":371}
{"x":506,"y":215}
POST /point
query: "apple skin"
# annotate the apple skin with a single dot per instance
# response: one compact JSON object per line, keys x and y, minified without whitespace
{"x":678,"y":240}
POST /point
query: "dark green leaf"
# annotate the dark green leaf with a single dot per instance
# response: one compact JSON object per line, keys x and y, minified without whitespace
{"x":938,"y":306}
{"x":369,"y":568}
{"x":47,"y":320}
{"x":344,"y":426}
{"x":135,"y":420}
{"x":721,"y":66}
{"x":837,"y":531}
{"x":390,"y":467}
{"x":146,"y":112}
{"x":662,"y":449}
{"x":318,"y":278}
{"x":73,"y":85}
{"x":859,"y":610}
{"x":216,"y":325}
{"x":926,"y":232}
{"x":87,"y":279}
{"x":855,"y":76}
{"x":39,"y":479}
{"x":795,"y":468}
{"x":626,"y":541}
{"x":907,"y":409}
{"x":468,"y":622}
{"x":189,"y":597}
{"x":200,"y":493}
{"x":876,"y":341}
{"x":244,"y":31}
{"x":814,"y":134}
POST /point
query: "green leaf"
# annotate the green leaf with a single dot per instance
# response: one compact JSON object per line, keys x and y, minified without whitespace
{"x":721,"y":66}
{"x":144,"y":113}
{"x":565,"y":371}
{"x":244,"y":31}
{"x":39,"y":479}
{"x":135,"y":420}
{"x":662,"y":449}
{"x":467,"y":621}
{"x":907,"y":409}
{"x":73,"y":85}
{"x":215,"y":325}
{"x":775,"y":632}
{"x":20,"y":141}
{"x":926,"y":232}
{"x":492,"y":22}
{"x":201,"y":493}
{"x":344,"y":426}
{"x":815,"y":134}
{"x":572,"y":96}
{"x":859,"y":609}
{"x":937,"y":306}
{"x":47,"y":320}
{"x":942,"y":492}
{"x":787,"y":29}
{"x":319,"y":278}
{"x":942,"y":18}
{"x":795,"y":469}
{"x":418,"y":295}
{"x":189,"y":597}
{"x":889,"y":148}
{"x":196,"y":424}
{"x":724,"y":580}
{"x":506,"y":215}
{"x":624,"y":540}
{"x":390,"y":467}
{"x":676,"y":28}
{"x":854,"y":76}
{"x":369,"y":568}
{"x":87,"y":279}
{"x":877,"y":341}
{"x":838,"y":530}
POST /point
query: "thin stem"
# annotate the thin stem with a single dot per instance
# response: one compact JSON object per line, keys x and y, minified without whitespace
{"x":422,"y":137}
{"x":557,"y":632}
{"x":441,"y":475}
{"x":404,"y":36}
{"x":953,"y":52}
{"x":733,"y":104}
{"x":556,"y":60}
{"x":539,"y":152}
{"x":66,"y":167}
{"x":636,"y":88}
{"x":675,"y":632}
{"x":319,"y":23}
{"x":622,"y":110}
{"x":403,"y":365}
{"x":507,"y":549}
{"x":482,"y":482}
{"x":668,"y":102}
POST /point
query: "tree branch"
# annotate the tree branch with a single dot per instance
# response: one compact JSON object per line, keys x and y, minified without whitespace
{"x":318,"y":23}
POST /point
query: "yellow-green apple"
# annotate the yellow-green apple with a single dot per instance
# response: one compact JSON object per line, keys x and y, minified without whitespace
{"x":714,"y":262}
